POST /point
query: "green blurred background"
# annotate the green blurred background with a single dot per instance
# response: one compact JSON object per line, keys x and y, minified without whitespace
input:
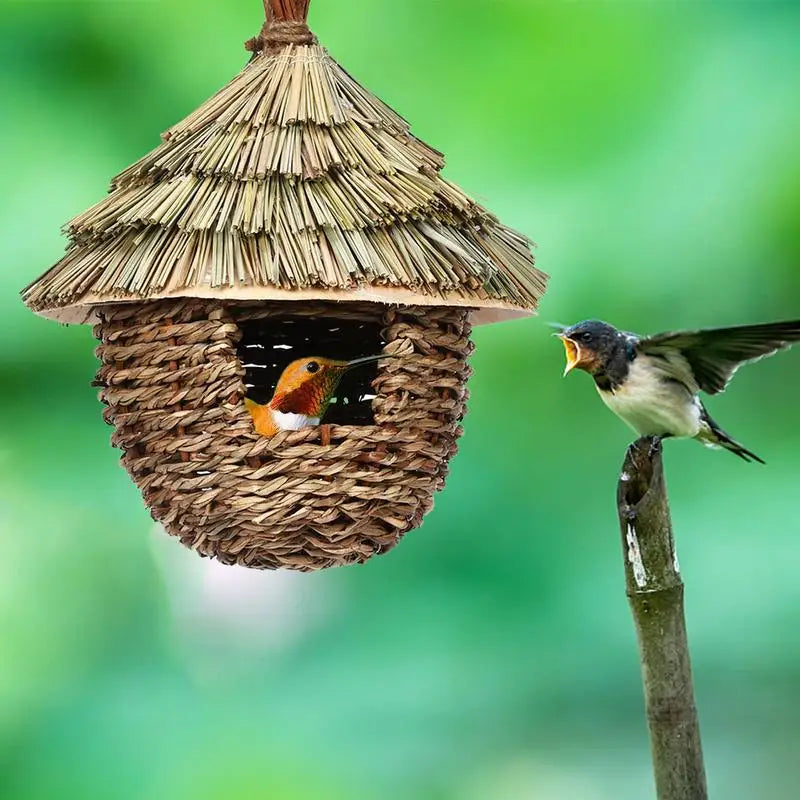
{"x":652,"y":150}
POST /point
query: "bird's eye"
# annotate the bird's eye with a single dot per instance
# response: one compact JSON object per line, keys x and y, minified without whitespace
{"x":312,"y":366}
{"x":586,"y":336}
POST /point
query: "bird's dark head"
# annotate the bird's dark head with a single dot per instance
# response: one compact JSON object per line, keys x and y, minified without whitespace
{"x":590,"y":345}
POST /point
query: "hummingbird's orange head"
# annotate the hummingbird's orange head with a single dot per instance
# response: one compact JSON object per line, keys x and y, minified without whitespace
{"x":307,"y":385}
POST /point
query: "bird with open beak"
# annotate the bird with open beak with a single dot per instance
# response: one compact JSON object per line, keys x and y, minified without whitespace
{"x":652,"y":383}
{"x":302,"y":394}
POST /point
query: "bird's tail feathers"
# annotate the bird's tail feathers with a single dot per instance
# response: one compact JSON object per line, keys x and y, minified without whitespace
{"x":738,"y":449}
{"x":250,"y":405}
{"x":714,"y":436}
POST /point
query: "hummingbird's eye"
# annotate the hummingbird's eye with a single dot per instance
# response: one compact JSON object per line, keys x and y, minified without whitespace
{"x":312,"y":366}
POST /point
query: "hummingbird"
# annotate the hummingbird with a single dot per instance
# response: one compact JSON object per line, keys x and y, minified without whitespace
{"x":303,"y":394}
{"x":652,"y":383}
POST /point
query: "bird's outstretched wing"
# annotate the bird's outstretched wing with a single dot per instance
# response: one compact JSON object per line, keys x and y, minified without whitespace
{"x":714,"y":355}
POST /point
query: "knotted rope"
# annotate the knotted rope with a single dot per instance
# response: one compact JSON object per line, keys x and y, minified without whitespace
{"x":279,"y":33}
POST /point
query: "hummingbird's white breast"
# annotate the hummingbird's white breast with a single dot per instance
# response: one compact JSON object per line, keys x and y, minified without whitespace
{"x":288,"y":421}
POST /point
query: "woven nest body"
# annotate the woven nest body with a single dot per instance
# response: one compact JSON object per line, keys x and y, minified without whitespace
{"x":319,"y":497}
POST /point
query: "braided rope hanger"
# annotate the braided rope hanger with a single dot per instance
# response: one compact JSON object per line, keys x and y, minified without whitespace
{"x":285,"y":24}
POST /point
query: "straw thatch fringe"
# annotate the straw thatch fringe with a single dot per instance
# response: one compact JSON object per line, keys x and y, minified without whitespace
{"x":426,"y":256}
{"x":291,"y":176}
{"x":173,"y":386}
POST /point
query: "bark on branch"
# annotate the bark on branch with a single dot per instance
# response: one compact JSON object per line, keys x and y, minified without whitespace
{"x":655,"y":593}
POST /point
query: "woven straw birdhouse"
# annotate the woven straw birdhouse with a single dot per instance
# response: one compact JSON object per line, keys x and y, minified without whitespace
{"x":291,"y":215}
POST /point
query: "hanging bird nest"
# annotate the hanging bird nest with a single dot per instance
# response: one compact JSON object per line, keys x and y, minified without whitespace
{"x":292,"y":213}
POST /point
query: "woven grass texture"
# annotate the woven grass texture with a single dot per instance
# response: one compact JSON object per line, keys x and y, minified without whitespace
{"x":303,"y":500}
{"x":292,"y":176}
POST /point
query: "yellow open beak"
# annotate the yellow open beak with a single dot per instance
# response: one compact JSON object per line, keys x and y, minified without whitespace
{"x":573,"y":353}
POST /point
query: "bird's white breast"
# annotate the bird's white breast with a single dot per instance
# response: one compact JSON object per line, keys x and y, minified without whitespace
{"x":287,"y":421}
{"x":652,"y":404}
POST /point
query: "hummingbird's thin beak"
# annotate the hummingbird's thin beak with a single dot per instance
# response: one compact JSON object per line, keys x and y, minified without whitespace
{"x":573,"y":353}
{"x":357,"y":362}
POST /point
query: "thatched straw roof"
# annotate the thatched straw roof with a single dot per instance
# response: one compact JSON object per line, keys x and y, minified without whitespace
{"x":292,"y":182}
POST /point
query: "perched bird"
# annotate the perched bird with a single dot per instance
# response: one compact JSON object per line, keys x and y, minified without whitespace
{"x":302,"y":394}
{"x":652,"y":383}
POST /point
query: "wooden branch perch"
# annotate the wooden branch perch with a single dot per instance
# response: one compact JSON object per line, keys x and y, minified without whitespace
{"x":655,"y":593}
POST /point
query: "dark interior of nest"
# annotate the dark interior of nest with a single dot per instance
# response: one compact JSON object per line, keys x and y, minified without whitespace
{"x":269,"y":344}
